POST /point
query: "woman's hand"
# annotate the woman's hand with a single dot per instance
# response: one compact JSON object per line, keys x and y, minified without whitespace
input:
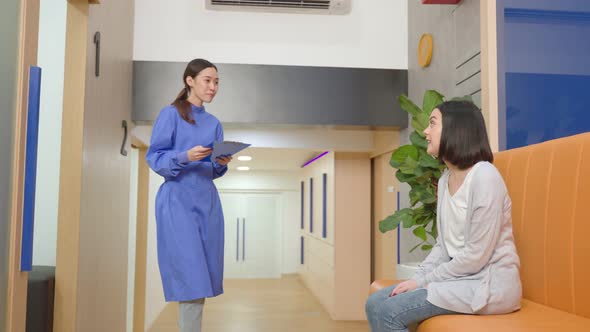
{"x":198,"y":152}
{"x":406,"y":286}
{"x":223,"y":160}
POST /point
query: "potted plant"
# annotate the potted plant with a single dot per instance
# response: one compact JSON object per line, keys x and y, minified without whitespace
{"x":421,"y":172}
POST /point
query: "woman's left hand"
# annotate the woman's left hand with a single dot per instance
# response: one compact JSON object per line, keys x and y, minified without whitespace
{"x":223,"y":160}
{"x":406,"y":286}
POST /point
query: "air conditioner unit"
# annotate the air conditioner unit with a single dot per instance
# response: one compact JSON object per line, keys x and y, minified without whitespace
{"x":330,"y":7}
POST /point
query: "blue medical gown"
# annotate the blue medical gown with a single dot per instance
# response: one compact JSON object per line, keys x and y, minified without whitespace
{"x":189,"y":217}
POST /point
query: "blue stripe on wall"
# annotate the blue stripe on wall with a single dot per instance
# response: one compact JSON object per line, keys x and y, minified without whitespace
{"x":302,"y":204}
{"x":398,"y":232}
{"x":30,"y":169}
{"x":325,"y":208}
{"x":302,"y":259}
{"x":311,"y":205}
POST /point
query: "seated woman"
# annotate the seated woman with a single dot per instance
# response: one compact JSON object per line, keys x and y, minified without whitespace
{"x":473,"y":267}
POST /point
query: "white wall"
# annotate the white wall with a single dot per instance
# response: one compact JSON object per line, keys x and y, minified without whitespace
{"x":373,"y":35}
{"x":52,"y":38}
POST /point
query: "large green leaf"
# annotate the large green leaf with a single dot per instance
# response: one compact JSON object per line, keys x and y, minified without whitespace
{"x":410,"y":166}
{"x":419,"y":244}
{"x":418,"y":140}
{"x":434,"y":230}
{"x":428,"y":161}
{"x":423,"y":218}
{"x":414,"y":197}
{"x":431,"y":99}
{"x":426,"y":247}
{"x":407,"y":105}
{"x":408,"y":218}
{"x":427,"y":196}
{"x":420,"y":122}
{"x":395,"y":219}
{"x":404,"y":178}
{"x":416,"y":194}
{"x":389,"y":223}
{"x":420,"y":232}
{"x":399,"y":156}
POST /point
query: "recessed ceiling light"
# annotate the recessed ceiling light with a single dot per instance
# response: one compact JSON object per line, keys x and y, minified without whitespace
{"x":244,"y":158}
{"x":243,"y":168}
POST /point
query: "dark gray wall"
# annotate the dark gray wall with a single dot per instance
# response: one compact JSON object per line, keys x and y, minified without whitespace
{"x":9,"y":30}
{"x":264,"y":94}
{"x":453,"y":71}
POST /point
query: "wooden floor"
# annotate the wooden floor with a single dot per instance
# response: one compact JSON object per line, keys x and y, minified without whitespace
{"x":275,"y":305}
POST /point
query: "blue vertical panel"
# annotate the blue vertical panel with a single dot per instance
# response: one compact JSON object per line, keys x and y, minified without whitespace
{"x":302,"y":259}
{"x":398,"y":231}
{"x":311,"y":205}
{"x":26,"y":263}
{"x":324,"y":205}
{"x":302,"y":204}
{"x":543,"y":70}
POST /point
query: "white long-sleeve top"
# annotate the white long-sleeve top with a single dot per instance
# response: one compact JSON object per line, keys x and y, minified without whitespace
{"x":483,"y":276}
{"x":454,"y":213}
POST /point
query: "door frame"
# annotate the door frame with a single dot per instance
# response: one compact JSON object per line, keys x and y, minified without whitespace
{"x":489,"y":70}
{"x":70,"y":182}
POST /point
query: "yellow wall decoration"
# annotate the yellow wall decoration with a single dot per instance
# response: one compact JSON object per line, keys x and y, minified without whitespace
{"x":425,"y":50}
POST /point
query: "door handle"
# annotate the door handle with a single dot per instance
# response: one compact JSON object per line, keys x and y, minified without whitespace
{"x":124,"y":125}
{"x":97,"y":54}
{"x":243,"y":239}
{"x":238,"y":240}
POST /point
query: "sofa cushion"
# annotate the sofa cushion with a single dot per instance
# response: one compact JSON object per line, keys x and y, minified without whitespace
{"x":532,"y":317}
{"x":549,"y":185}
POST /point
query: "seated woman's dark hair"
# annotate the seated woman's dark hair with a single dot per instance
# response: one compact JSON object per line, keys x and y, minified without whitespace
{"x":464,"y":139}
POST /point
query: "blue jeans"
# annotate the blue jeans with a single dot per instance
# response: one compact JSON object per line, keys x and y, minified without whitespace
{"x":396,"y":313}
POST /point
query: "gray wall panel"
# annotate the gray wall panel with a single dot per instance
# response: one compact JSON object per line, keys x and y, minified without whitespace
{"x":9,"y":16}
{"x":455,"y":31}
{"x":264,"y":94}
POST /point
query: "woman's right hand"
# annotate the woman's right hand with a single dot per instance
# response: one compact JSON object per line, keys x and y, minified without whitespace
{"x":198,"y":152}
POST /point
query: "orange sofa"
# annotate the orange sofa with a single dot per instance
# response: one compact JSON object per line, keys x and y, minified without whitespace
{"x":549,"y":184}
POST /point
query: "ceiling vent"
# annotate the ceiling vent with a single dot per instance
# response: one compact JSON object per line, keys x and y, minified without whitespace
{"x":329,"y":7}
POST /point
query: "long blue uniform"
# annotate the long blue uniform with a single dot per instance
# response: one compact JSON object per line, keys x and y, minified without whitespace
{"x":189,"y":217}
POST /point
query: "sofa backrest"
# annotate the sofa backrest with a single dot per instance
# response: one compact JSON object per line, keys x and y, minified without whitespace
{"x":549,"y":184}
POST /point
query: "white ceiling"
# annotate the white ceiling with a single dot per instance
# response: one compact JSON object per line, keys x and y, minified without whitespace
{"x":270,"y":159}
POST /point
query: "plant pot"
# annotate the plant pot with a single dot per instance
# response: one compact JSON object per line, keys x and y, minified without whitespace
{"x":406,"y":270}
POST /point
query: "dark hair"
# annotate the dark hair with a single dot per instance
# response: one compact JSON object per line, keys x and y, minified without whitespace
{"x":464,"y":139}
{"x":181,"y":103}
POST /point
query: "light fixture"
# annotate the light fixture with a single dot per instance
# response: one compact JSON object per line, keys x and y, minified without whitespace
{"x":243,"y":168}
{"x":244,"y":158}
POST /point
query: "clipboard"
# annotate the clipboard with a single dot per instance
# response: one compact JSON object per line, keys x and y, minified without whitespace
{"x":227,"y":148}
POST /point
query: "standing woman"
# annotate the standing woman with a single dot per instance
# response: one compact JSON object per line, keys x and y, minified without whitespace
{"x":474,"y":266}
{"x":189,"y":217}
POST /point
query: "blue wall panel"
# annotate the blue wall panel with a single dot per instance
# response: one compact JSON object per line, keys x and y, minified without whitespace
{"x":543,"y":70}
